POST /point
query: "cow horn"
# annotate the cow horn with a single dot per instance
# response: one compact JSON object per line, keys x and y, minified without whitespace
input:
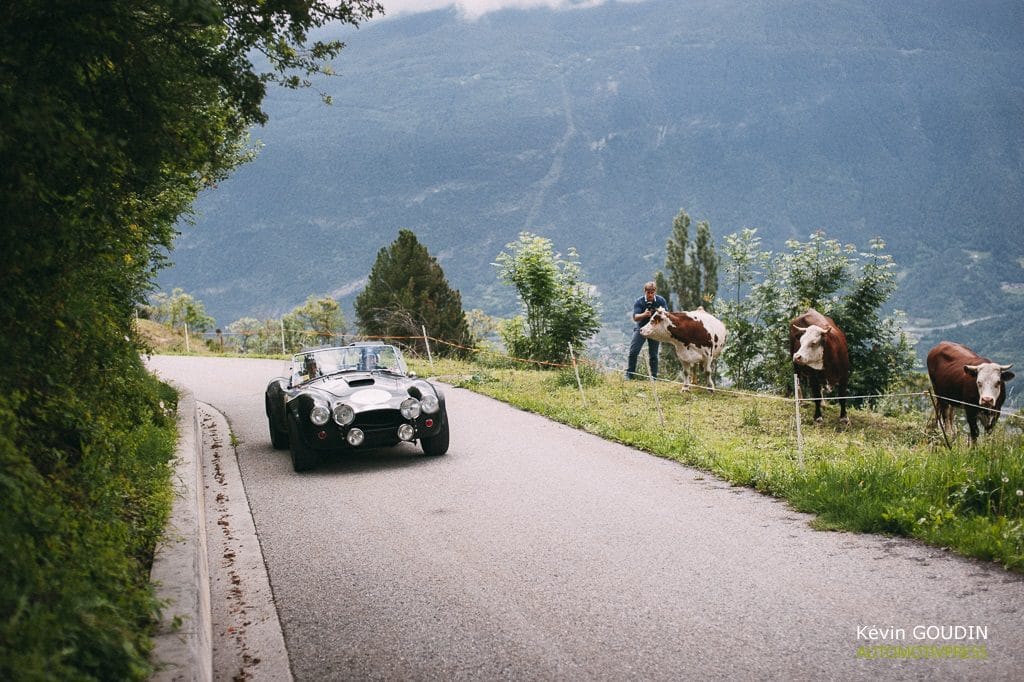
{"x":1003,"y":368}
{"x":799,"y":328}
{"x":827,"y":329}
{"x":972,"y":370}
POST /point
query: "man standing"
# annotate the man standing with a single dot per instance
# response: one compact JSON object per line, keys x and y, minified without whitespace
{"x":642,"y":311}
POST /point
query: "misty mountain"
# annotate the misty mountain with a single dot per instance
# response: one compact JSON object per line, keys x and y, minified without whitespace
{"x":594,"y":127}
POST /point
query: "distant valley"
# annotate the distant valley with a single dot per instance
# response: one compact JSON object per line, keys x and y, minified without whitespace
{"x":595,"y":126}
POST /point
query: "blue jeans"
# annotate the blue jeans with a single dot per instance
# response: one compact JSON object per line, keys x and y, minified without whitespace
{"x":634,"y":352}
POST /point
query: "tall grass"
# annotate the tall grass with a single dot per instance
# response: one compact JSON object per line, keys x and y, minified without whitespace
{"x":885,"y":473}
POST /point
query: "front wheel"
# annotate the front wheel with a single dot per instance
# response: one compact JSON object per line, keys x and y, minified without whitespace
{"x":436,"y":445}
{"x":278,"y":438}
{"x":303,"y":458}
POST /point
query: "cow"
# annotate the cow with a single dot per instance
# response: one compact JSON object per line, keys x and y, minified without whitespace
{"x":820,"y":356}
{"x":962,"y":378}
{"x":697,"y":336}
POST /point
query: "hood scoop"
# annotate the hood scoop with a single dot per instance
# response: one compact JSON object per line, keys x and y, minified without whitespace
{"x":368,"y":381}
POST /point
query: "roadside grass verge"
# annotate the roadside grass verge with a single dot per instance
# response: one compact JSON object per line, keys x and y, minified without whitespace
{"x":882,"y":474}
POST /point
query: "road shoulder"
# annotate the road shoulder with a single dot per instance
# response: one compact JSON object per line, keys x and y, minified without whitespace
{"x":248,"y":643}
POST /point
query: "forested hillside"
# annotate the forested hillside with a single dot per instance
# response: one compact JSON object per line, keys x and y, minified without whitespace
{"x":593,"y":127}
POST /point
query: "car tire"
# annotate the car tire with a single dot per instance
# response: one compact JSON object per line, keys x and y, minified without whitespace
{"x":436,"y":445}
{"x":303,"y":458}
{"x":279,"y":439}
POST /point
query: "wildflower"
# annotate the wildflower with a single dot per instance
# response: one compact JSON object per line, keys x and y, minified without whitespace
{"x":1020,"y":493}
{"x":920,"y":520}
{"x":1005,"y":479}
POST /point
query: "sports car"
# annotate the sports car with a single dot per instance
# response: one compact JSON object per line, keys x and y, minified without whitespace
{"x":353,"y":397}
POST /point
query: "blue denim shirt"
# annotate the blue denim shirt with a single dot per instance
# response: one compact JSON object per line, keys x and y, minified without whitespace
{"x":641,"y":305}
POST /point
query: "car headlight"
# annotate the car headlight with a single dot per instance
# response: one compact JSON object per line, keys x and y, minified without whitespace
{"x":406,"y":432}
{"x":410,"y":408}
{"x":344,"y":414}
{"x":355,"y":437}
{"x":430,"y":403}
{"x":319,"y":415}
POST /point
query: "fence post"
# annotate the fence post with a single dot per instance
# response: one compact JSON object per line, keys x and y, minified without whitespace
{"x":188,"y":346}
{"x":426,"y":342}
{"x":657,"y":401}
{"x":284,"y":351}
{"x":576,"y":369}
{"x":799,"y":436}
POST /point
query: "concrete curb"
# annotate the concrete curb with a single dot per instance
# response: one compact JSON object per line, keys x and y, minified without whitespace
{"x":180,"y":574}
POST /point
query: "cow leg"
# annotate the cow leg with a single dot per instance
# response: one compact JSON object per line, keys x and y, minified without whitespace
{"x":707,"y":370}
{"x":972,"y":423}
{"x":816,"y":394}
{"x":989,"y":419}
{"x":686,"y":367}
{"x":841,"y":394}
{"x":685,"y":373}
{"x":949,"y":419}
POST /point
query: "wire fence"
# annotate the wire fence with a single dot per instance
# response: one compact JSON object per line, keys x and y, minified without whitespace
{"x":797,"y":399}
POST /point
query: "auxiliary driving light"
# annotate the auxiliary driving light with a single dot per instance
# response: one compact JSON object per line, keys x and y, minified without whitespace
{"x":319,"y":415}
{"x":355,"y":437}
{"x":410,"y":408}
{"x":406,"y":432}
{"x":430,"y":403}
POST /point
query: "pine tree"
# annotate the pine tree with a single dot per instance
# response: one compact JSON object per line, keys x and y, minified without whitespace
{"x":407,"y":292}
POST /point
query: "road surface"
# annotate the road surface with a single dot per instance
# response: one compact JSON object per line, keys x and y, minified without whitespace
{"x":537,"y":552}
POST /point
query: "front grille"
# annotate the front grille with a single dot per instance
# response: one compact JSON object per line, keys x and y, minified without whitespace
{"x":378,"y":419}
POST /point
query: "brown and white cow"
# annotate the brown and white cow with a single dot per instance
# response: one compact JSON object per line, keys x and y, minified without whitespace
{"x":962,"y":378}
{"x":697,"y":336}
{"x":820,"y":355}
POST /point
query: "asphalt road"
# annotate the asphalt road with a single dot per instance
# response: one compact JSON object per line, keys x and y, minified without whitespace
{"x":534,"y":551}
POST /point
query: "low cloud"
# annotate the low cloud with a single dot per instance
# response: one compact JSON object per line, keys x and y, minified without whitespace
{"x":474,"y":9}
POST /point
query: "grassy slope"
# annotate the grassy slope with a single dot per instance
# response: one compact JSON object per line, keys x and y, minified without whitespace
{"x":883,"y":474}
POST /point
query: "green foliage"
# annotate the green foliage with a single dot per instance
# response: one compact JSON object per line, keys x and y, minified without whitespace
{"x":315,"y":322}
{"x":407,"y":292}
{"x":838,"y":281}
{"x":179,"y":309}
{"x":559,"y":308}
{"x":692,"y":267}
{"x":75,"y":601}
{"x":113,"y":116}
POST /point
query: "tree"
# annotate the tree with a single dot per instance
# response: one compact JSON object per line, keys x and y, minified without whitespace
{"x":848,"y":286}
{"x":113,"y":116}
{"x":180,"y":309}
{"x":317,"y":321}
{"x":742,"y":314}
{"x":692,"y":267}
{"x":677,"y":263}
{"x":406,"y":292}
{"x":559,"y":308}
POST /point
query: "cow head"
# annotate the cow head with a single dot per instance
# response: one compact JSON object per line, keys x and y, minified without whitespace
{"x":658,"y":325}
{"x":812,"y":346}
{"x":990,"y":377}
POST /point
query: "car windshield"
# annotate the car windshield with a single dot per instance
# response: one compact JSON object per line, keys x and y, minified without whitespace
{"x":311,"y":364}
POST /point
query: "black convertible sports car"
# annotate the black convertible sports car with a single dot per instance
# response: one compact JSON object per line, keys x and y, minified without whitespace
{"x":356,"y":396}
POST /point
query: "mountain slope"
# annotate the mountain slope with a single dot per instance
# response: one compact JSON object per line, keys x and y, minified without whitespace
{"x":593,"y":127}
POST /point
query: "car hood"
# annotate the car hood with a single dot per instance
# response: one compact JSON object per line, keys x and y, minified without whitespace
{"x":366,"y":389}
